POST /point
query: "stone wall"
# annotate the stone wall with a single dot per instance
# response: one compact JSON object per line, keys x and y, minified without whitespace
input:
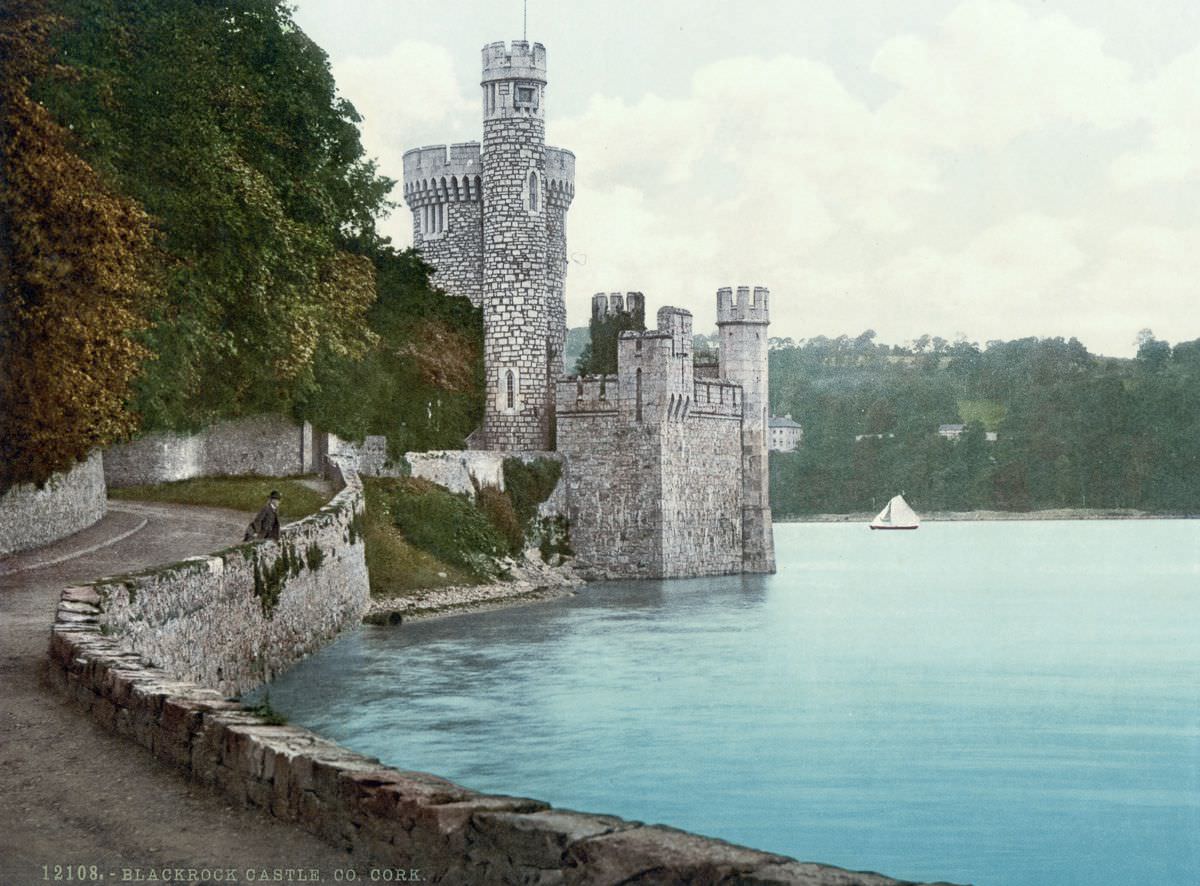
{"x":234,"y":619}
{"x":68,"y":502}
{"x":454,"y":468}
{"x":701,"y":490}
{"x":448,"y":182}
{"x":742,"y":325}
{"x":370,"y":458}
{"x":515,"y":320}
{"x":384,"y":817}
{"x":654,"y":460}
{"x":262,"y":444}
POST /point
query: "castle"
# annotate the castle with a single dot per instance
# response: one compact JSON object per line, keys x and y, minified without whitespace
{"x":665,"y":471}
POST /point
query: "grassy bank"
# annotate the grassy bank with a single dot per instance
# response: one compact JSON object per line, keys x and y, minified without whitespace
{"x":396,"y":566}
{"x":418,"y":535}
{"x":237,"y":493}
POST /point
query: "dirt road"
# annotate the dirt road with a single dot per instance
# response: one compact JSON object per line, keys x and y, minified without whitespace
{"x":72,"y":794}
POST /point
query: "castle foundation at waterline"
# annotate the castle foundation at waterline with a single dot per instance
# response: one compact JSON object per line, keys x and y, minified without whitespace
{"x":665,"y":473}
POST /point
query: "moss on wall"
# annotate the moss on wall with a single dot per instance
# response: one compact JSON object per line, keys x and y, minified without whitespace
{"x":270,"y":578}
{"x":529,"y":484}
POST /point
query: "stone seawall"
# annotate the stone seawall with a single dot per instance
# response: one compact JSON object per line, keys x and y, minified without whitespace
{"x":234,"y":619}
{"x":70,"y":501}
{"x":133,"y":651}
{"x":262,"y":444}
{"x":382,"y":816}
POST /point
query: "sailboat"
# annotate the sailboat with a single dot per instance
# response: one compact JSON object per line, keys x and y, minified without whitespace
{"x":896,"y":515}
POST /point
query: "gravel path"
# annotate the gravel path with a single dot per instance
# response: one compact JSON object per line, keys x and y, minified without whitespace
{"x":72,"y":794}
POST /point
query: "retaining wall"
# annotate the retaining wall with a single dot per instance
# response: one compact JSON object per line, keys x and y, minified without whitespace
{"x":383,"y":816}
{"x":130,"y":652}
{"x":370,"y":457}
{"x":261,"y":444}
{"x":454,"y":468}
{"x":234,"y":619}
{"x":68,"y":502}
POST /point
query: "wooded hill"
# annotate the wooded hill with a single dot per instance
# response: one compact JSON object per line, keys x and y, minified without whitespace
{"x":1073,"y":429}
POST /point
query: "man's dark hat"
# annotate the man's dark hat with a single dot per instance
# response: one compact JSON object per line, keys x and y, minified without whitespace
{"x":274,"y":493}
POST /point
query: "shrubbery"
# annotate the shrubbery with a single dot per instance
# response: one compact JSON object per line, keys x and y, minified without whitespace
{"x":448,"y":526}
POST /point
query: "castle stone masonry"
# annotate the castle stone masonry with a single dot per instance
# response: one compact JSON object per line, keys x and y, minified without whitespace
{"x":666,"y":472}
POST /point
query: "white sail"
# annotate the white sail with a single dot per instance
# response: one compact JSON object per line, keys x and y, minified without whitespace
{"x":897,"y":515}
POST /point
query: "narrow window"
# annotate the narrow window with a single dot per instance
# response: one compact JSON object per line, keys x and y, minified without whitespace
{"x":510,"y":390}
{"x":638,"y":392}
{"x":533,"y":191}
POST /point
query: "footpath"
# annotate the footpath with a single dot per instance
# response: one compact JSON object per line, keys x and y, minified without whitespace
{"x":74,"y":795}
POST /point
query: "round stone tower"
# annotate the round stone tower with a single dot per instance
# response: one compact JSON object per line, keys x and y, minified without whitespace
{"x":517,"y":340}
{"x":742,"y":327}
{"x":491,"y":220}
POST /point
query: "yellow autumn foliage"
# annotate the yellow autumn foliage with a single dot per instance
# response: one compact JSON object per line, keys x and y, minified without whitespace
{"x":74,"y":277}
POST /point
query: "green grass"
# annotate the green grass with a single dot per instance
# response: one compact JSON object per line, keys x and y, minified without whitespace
{"x":989,"y":412}
{"x":397,"y":568}
{"x":238,"y":493}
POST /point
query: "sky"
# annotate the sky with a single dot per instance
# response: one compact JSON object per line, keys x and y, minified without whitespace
{"x":978,"y":169}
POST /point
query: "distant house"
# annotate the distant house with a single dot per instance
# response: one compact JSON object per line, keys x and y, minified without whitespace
{"x":784,"y":434}
{"x":953,"y":432}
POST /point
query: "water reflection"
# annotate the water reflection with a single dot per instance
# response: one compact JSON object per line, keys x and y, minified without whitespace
{"x":990,"y":703}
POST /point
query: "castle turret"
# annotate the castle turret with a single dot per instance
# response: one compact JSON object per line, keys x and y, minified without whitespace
{"x":491,"y":220}
{"x":444,"y":189}
{"x":742,"y":328}
{"x":521,"y":355}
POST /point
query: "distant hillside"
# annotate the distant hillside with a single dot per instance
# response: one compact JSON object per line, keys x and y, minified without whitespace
{"x":1072,"y":429}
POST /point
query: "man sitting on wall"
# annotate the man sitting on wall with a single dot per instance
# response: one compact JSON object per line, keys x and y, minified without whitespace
{"x":266,"y":523}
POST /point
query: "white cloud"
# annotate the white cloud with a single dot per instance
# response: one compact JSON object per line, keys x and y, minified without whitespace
{"x":407,"y":98}
{"x":743,"y":180}
{"x":994,"y":71}
{"x":865,"y":213}
{"x":1170,"y":105}
{"x":1013,"y":279}
{"x":1146,"y":278}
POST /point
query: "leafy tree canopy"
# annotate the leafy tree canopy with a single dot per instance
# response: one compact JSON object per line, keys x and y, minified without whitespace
{"x":421,"y":384}
{"x":1073,"y":429}
{"x":74,"y":281}
{"x":223,"y":120}
{"x":599,"y":355}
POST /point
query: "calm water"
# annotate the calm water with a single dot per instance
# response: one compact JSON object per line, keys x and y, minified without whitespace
{"x":995,"y":703}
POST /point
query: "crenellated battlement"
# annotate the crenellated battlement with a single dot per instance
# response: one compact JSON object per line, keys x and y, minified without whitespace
{"x":718,"y":397}
{"x":748,"y":307}
{"x":614,"y":303}
{"x":523,"y":61}
{"x":587,"y":393}
{"x":677,"y":323}
{"x":442,"y":174}
{"x":560,"y":176}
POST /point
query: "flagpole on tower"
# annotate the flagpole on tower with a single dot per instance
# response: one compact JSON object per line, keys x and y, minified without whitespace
{"x":525,"y":20}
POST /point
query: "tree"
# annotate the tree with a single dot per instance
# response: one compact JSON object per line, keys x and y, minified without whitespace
{"x":599,"y":355}
{"x":421,"y":383}
{"x":74,"y":282}
{"x":222,"y":118}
